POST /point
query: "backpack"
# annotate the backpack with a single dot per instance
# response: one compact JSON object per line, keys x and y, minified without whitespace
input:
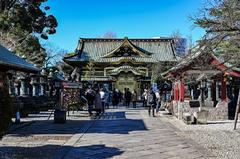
{"x":151,"y":99}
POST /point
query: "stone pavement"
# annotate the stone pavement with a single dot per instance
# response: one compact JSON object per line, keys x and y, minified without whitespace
{"x":120,"y":133}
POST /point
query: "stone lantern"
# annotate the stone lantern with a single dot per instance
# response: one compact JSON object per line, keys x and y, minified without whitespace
{"x":50,"y":82}
{"x":43,"y":82}
{"x":203,"y":86}
{"x":11,"y":83}
{"x":35,"y":85}
{"x":24,"y":85}
{"x":17,"y":86}
{"x":59,"y":113}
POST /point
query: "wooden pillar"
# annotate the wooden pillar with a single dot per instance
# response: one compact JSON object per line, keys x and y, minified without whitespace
{"x":181,"y":91}
{"x":214,"y":92}
{"x":176,"y":91}
{"x":181,"y":98}
{"x":224,"y":90}
{"x":217,"y":91}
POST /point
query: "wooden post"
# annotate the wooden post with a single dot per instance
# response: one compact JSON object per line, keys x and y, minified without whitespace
{"x":217,"y":91}
{"x":181,"y":91}
{"x":214,"y":93}
{"x":224,"y":90}
{"x":236,"y":113}
{"x":176,"y":92}
{"x":201,"y":96}
{"x":181,"y":98}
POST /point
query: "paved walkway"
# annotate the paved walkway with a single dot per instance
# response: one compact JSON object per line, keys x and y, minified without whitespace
{"x":120,"y":133}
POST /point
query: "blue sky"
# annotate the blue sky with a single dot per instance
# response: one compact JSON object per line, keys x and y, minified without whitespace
{"x":132,"y":18}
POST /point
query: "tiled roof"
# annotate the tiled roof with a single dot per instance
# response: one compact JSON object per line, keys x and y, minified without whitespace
{"x":10,"y":61}
{"x":202,"y":54}
{"x":96,"y":49}
{"x":186,"y":61}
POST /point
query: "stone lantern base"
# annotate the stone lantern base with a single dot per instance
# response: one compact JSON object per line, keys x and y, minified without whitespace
{"x":201,"y":117}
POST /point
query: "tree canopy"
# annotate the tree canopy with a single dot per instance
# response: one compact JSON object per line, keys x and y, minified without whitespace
{"x":221,"y":21}
{"x":22,"y":24}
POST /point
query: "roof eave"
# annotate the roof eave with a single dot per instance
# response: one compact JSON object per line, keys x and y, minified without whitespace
{"x":5,"y":66}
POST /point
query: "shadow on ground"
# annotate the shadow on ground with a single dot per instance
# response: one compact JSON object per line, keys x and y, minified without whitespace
{"x":112,"y":123}
{"x":56,"y":152}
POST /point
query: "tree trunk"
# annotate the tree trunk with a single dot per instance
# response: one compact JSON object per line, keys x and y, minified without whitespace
{"x":236,"y":113}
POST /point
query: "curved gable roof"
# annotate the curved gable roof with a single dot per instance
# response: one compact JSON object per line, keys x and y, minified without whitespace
{"x":97,"y":49}
{"x":127,"y":44}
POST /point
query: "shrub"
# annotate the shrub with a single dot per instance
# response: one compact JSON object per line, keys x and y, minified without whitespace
{"x":5,"y":105}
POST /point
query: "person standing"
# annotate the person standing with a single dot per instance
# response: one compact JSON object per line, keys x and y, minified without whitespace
{"x":151,"y":102}
{"x":115,"y":98}
{"x":158,"y":100}
{"x":128,"y":97}
{"x":98,"y":102}
{"x":144,"y":97}
{"x":103,"y":99}
{"x":120,"y":96}
{"x":124,"y":97}
{"x":134,"y":98}
{"x":90,"y":96}
{"x":107,"y":99}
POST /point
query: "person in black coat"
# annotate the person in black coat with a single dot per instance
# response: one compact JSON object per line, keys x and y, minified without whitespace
{"x":151,"y":102}
{"x":115,"y":98}
{"x":128,"y":97}
{"x":90,"y":96}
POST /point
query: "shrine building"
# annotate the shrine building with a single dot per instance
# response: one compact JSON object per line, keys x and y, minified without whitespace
{"x":203,"y":78}
{"x":120,"y":63}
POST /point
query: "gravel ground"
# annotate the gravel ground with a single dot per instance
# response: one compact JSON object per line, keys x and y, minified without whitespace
{"x":217,"y":137}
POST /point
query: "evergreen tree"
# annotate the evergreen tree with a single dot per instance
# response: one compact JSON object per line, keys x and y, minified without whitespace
{"x":22,"y":24}
{"x":221,"y":21}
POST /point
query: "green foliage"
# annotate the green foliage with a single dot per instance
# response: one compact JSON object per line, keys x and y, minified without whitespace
{"x":22,"y":23}
{"x":221,"y":19}
{"x":5,"y":105}
{"x":91,"y":70}
{"x":158,"y":69}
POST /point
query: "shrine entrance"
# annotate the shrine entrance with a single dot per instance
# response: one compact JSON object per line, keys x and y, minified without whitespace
{"x":126,"y":80}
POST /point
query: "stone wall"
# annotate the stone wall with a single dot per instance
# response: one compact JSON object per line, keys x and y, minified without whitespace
{"x":220,"y":112}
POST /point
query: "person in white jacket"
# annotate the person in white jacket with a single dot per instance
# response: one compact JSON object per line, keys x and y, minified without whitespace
{"x":144,"y":97}
{"x":103,"y":99}
{"x":158,"y":100}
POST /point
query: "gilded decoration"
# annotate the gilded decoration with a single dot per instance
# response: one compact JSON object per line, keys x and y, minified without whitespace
{"x":121,"y":63}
